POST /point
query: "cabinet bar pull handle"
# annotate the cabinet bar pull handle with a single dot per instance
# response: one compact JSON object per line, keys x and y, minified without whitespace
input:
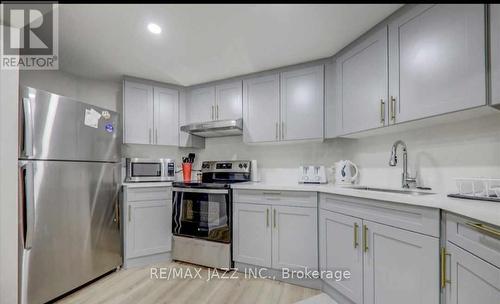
{"x":129,"y":213}
{"x":282,"y":130}
{"x":382,"y":111}
{"x":212,"y":113}
{"x":365,"y":238}
{"x":149,"y":135}
{"x":485,"y":229}
{"x":217,"y":112}
{"x":277,"y":130}
{"x":156,"y":136}
{"x":267,"y":217}
{"x":444,"y":280}
{"x":393,"y":108}
{"x":356,"y":235}
{"x":274,"y":218}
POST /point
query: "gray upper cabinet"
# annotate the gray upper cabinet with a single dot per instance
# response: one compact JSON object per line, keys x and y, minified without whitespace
{"x":137,"y":113}
{"x":495,"y":52}
{"x":332,"y":122}
{"x":302,"y":103}
{"x":229,"y":102}
{"x":151,"y":114}
{"x":201,"y":105}
{"x":362,"y":78}
{"x":436,"y":61}
{"x":166,"y":116}
{"x":261,"y":109}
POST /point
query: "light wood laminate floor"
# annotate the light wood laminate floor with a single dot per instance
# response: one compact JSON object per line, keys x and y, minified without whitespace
{"x":136,"y":286}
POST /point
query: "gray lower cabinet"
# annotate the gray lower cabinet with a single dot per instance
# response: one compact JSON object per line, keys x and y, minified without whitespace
{"x":252,"y":243}
{"x":150,"y":114}
{"x":275,"y":229}
{"x":471,"y":279}
{"x":147,"y":225}
{"x":362,"y":79}
{"x":495,"y":52}
{"x":436,"y":60}
{"x":471,"y":262}
{"x":389,"y":263}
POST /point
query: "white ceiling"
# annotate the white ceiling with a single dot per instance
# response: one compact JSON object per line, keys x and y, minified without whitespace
{"x":201,"y":43}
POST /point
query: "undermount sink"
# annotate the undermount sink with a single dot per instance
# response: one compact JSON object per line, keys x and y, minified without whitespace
{"x":408,"y":192}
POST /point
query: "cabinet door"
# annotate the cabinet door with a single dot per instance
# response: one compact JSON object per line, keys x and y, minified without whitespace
{"x":201,"y":105}
{"x":472,"y":280}
{"x":166,"y":122}
{"x":229,"y":100}
{"x":149,"y":228}
{"x":437,"y":60}
{"x":399,"y":266}
{"x":261,"y":109}
{"x":302,"y":103}
{"x":252,"y":234}
{"x":289,"y":225}
{"x":137,"y":113}
{"x":495,"y":52}
{"x":340,"y":249}
{"x":362,"y":82}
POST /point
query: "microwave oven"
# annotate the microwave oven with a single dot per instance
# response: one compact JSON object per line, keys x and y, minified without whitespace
{"x":150,"y":170}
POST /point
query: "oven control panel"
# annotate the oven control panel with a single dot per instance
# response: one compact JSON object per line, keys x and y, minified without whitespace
{"x":226,"y":166}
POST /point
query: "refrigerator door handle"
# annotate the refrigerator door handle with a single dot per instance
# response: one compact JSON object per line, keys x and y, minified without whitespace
{"x":29,"y":205}
{"x":28,"y":128}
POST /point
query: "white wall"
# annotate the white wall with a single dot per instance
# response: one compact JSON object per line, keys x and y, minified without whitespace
{"x":105,"y":94}
{"x":8,"y":186}
{"x":439,"y":153}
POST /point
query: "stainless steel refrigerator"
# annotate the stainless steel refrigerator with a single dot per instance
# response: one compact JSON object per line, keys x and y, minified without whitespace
{"x":69,"y":179}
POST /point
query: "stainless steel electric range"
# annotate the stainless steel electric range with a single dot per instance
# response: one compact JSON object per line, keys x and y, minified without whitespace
{"x":202,"y":214}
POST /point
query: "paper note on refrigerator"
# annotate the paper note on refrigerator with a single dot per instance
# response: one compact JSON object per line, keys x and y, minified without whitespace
{"x":92,"y":118}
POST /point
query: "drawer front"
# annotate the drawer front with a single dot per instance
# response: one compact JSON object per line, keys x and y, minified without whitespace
{"x":474,"y":237}
{"x":283,"y":198}
{"x":149,"y":194}
{"x":418,"y":219}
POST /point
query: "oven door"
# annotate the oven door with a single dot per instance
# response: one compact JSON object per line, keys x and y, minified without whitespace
{"x":202,"y":213}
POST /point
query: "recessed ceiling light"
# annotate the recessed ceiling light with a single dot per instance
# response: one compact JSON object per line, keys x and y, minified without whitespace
{"x":154,"y":28}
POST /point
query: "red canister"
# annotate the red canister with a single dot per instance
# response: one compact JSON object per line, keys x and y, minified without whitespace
{"x":186,"y":171}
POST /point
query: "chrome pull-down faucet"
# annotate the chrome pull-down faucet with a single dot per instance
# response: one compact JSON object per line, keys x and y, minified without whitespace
{"x":406,"y":180}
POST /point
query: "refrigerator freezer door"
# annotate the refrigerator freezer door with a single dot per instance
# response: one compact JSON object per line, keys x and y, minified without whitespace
{"x":70,"y":223}
{"x":59,"y":128}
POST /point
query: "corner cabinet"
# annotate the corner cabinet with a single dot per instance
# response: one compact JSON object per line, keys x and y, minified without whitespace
{"x":284,"y":107}
{"x":471,"y":262}
{"x":362,"y":78}
{"x":495,"y":52}
{"x":392,"y":251}
{"x":437,"y":60}
{"x":147,"y":225}
{"x":267,"y":225}
{"x":150,"y":114}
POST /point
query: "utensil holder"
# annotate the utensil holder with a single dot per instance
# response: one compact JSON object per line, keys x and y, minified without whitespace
{"x":186,"y":171}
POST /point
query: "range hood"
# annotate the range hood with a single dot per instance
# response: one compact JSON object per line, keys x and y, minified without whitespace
{"x":217,"y":128}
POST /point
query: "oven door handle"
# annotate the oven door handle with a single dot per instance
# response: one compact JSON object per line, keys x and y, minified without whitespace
{"x":199,"y":190}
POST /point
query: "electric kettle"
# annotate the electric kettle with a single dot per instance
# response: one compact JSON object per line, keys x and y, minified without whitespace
{"x":346,"y":172}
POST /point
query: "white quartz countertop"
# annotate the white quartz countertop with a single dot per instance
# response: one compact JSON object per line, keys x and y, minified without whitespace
{"x":485,"y":211}
{"x":147,"y":184}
